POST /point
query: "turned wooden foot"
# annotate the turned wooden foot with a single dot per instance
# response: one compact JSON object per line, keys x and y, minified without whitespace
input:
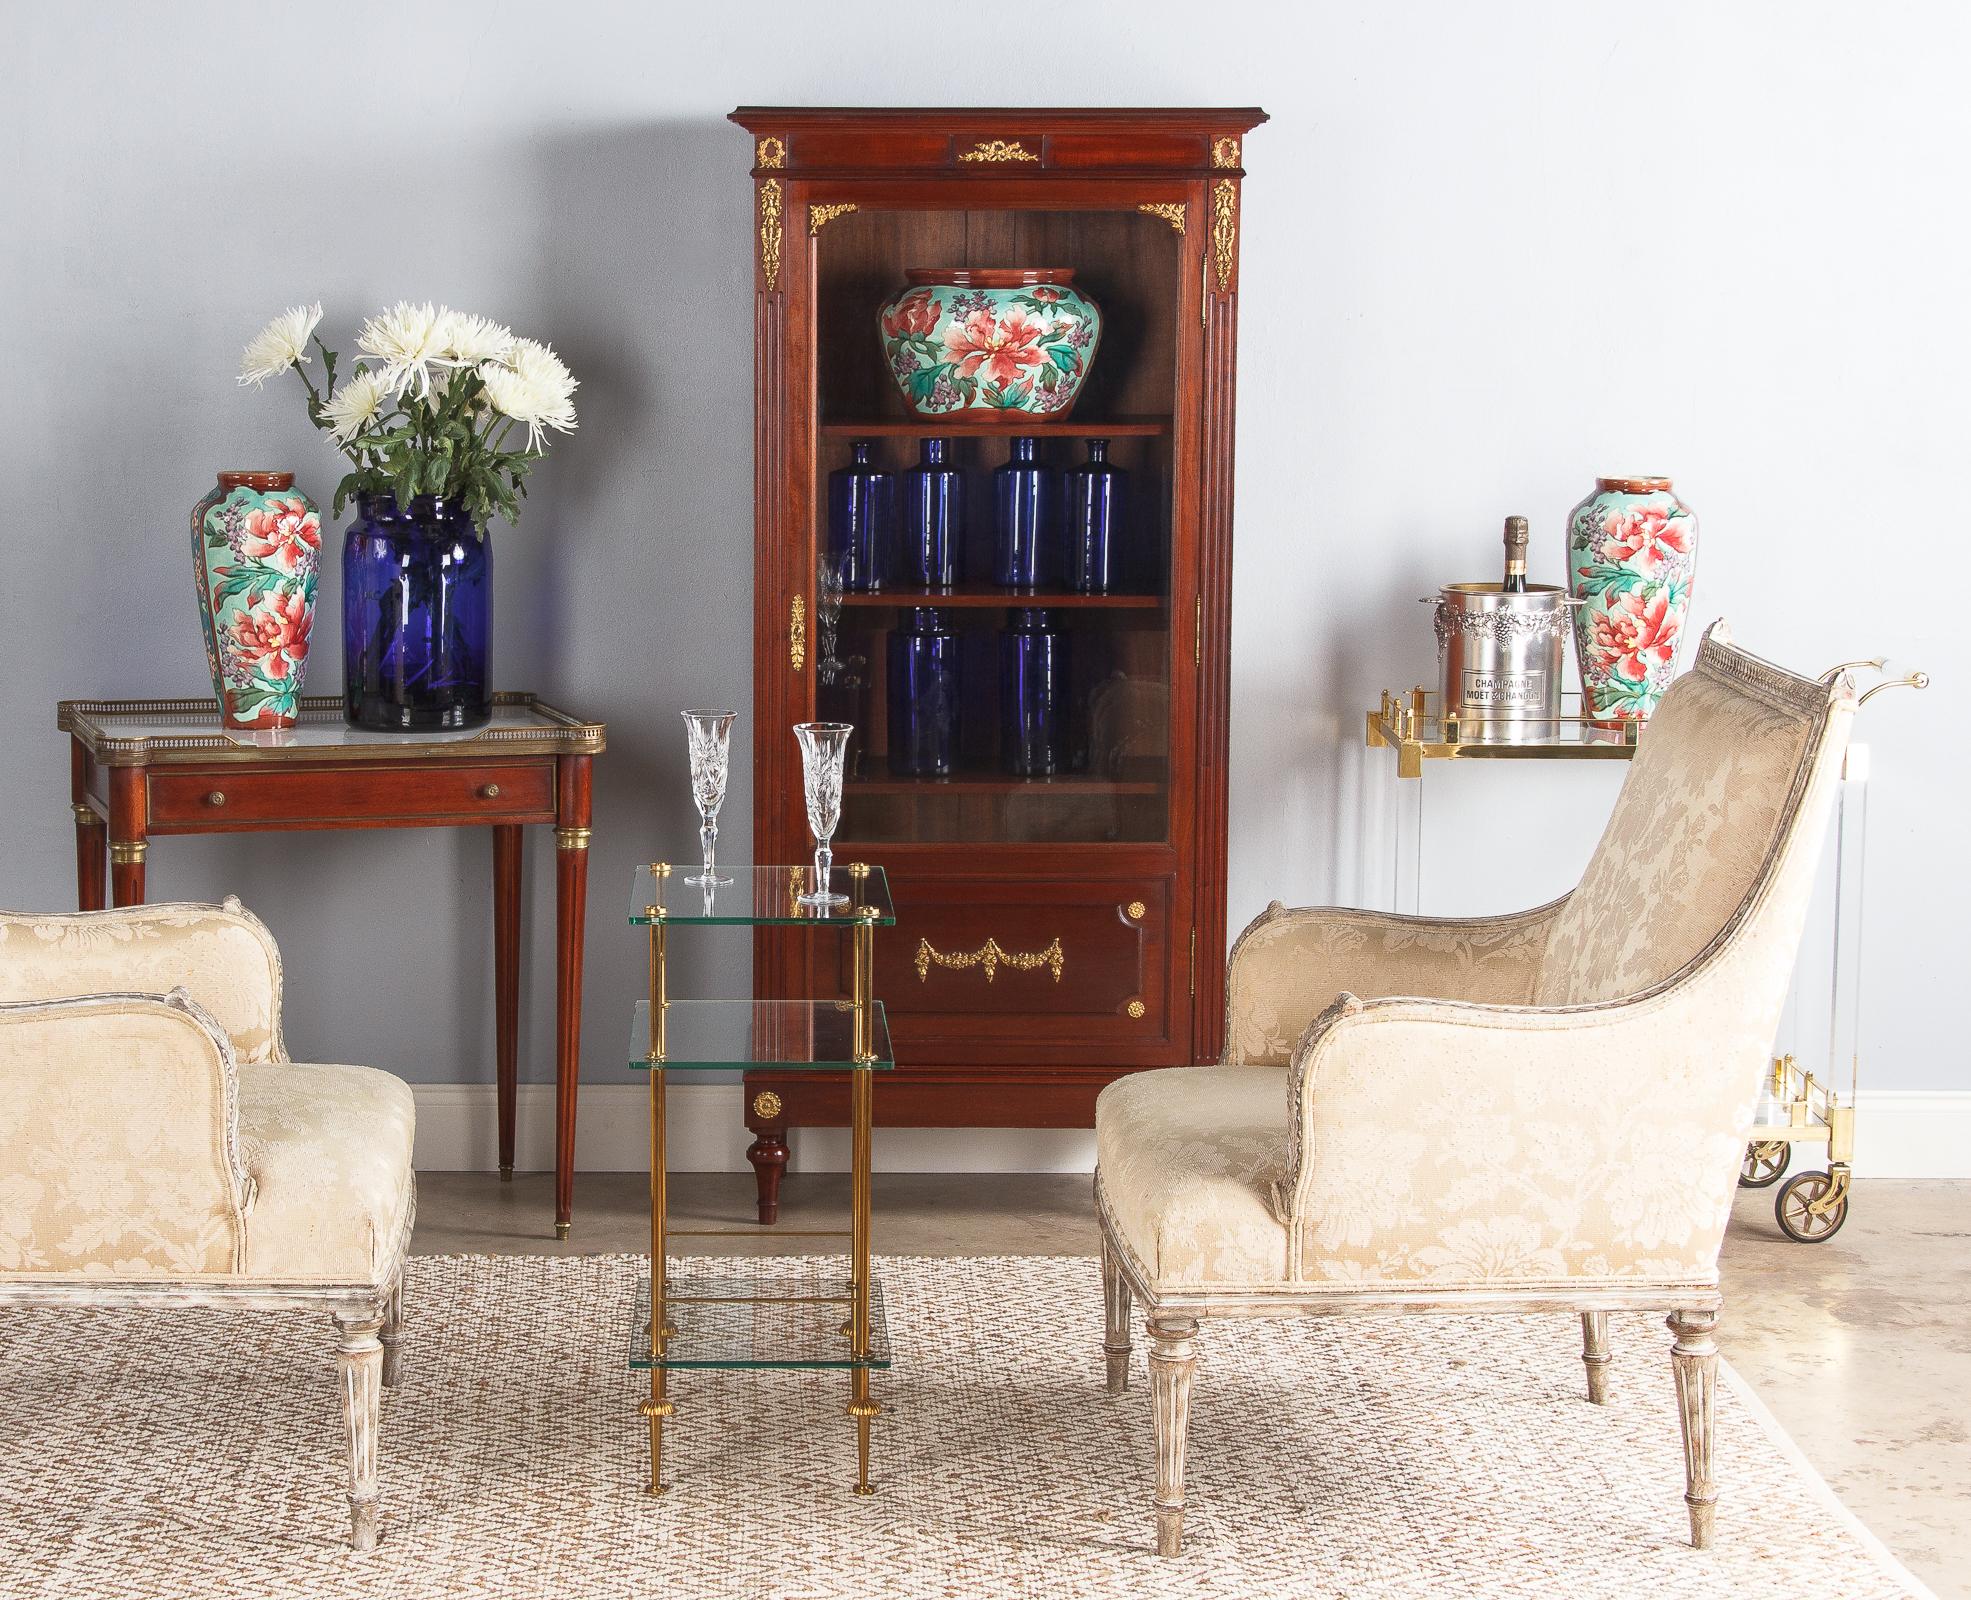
{"x":1115,"y":1305}
{"x":768,"y":1153}
{"x":1695,"y":1357}
{"x":359,"y":1368}
{"x":1173,"y":1359}
{"x":1594,"y":1354}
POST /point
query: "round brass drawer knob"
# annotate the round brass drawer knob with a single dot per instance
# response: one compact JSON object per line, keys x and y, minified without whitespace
{"x":1136,"y":1009}
{"x":216,"y":798}
{"x":1136,"y":910}
{"x":490,"y":792}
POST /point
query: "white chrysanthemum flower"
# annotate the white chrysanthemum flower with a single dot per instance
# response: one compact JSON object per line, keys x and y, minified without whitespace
{"x":467,"y":340}
{"x":356,"y":404}
{"x":406,"y":339}
{"x":279,"y":345}
{"x":533,"y":386}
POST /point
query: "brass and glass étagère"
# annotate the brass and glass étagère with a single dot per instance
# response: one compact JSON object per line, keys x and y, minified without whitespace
{"x":696,"y":1320}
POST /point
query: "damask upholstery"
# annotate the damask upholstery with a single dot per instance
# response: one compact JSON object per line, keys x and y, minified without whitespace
{"x":328,"y":1150}
{"x":223,"y":955}
{"x":1189,"y":1161}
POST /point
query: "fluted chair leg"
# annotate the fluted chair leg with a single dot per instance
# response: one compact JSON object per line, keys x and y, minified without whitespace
{"x":1594,"y":1354}
{"x":359,"y":1369}
{"x":1695,"y":1356}
{"x":392,"y":1336}
{"x":1173,"y":1358}
{"x":1115,"y":1306}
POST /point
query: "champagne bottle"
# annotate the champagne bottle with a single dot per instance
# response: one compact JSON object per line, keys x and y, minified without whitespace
{"x":1515,"y":555}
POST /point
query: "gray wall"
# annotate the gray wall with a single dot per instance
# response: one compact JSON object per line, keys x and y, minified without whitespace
{"x":1488,"y":253}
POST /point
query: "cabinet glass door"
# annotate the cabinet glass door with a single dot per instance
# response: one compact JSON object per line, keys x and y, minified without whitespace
{"x":993,"y":589}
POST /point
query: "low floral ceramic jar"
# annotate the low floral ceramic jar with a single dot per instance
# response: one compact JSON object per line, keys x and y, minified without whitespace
{"x":1013,"y":339}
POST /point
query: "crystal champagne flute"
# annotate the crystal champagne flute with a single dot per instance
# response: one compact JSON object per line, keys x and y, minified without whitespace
{"x":823,"y":745}
{"x":709,"y":734}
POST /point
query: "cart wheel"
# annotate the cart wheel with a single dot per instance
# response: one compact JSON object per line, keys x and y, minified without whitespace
{"x":1764,"y":1162}
{"x":1797,"y":1221}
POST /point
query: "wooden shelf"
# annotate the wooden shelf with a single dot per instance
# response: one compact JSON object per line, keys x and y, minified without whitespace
{"x":974,"y":596}
{"x":997,"y":783}
{"x":999,"y":425}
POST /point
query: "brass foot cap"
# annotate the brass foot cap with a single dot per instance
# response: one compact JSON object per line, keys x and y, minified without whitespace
{"x":863,"y":1488}
{"x":656,"y":1489}
{"x":506,"y":1174}
{"x":561,"y":1229}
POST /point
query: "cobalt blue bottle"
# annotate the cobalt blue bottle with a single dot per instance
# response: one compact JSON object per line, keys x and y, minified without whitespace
{"x":862,"y":509}
{"x":1025,"y":496}
{"x":1094,"y":501}
{"x":1033,"y":695}
{"x":923,"y":694}
{"x":417,"y":617}
{"x":933,"y":519}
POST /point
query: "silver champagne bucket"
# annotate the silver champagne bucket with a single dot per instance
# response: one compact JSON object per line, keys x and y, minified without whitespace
{"x":1500,"y":659}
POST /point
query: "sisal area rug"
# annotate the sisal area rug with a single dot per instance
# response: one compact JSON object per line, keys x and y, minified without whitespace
{"x":199,"y":1455}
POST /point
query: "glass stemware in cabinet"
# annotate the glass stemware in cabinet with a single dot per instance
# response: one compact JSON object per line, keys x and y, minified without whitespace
{"x":709,"y":735}
{"x":823,"y":747}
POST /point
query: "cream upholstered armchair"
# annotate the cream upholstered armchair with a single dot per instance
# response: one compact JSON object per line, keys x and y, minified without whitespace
{"x":1415,"y":1114}
{"x":158,"y":1148}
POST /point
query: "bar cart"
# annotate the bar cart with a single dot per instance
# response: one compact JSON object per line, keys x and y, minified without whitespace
{"x":691,"y":1319}
{"x":1795,"y":1106}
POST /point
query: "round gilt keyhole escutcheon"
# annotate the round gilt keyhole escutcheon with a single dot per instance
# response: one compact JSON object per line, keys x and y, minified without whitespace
{"x":1136,"y":1009}
{"x":766,"y":1105}
{"x":1136,"y":910}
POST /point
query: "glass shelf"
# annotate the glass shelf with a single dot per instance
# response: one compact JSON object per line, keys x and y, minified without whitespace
{"x":979,"y":596}
{"x":735,"y":1035}
{"x":759,"y":897}
{"x":729,"y":1318}
{"x":1003,"y":425}
{"x":1410,"y":724}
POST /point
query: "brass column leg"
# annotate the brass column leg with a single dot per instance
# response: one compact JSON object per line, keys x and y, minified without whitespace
{"x":861,"y":1103}
{"x":659,"y":1405}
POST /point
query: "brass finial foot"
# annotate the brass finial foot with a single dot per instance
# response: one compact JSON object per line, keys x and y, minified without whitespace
{"x":561,"y":1229}
{"x":863,"y":1488}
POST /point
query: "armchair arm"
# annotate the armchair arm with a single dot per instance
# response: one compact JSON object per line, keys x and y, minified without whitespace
{"x":1452,"y":1143}
{"x":119,"y":1139}
{"x":1288,"y":966}
{"x":223,"y":955}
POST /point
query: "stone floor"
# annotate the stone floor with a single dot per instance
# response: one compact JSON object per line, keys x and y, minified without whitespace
{"x":1861,"y":1347}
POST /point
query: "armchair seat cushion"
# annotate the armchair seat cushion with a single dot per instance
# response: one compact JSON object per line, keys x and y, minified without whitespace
{"x":328,"y":1151}
{"x":1186,"y":1159}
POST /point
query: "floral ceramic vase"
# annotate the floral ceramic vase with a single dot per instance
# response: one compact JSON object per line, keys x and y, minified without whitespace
{"x":1631,"y":555}
{"x":256,"y":553}
{"x":1012,"y":339}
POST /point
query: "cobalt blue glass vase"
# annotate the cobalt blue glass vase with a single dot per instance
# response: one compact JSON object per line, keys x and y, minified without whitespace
{"x":1033,"y":696}
{"x":933,"y":519}
{"x":1025,"y":497}
{"x":923,"y":694}
{"x":417,"y":617}
{"x":862,"y":509}
{"x":1094,"y":501}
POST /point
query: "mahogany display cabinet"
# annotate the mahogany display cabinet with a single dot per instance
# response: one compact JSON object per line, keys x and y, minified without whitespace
{"x":1053,"y":932}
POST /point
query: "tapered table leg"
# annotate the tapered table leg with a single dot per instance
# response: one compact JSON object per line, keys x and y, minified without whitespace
{"x":571,"y":837}
{"x":506,"y":981}
{"x":128,"y":827}
{"x":91,"y":835}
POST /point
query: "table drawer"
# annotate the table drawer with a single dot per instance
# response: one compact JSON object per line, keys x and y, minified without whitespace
{"x":353,"y":796}
{"x":983,"y":969}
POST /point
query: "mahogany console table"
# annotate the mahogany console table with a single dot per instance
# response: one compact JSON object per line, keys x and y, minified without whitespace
{"x":143,"y":768}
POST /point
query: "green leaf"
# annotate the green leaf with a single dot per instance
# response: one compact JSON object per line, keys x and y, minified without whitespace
{"x":1063,"y":357}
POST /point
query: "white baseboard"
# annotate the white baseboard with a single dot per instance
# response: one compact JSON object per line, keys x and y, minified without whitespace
{"x":1899,"y":1133}
{"x":457,"y":1131}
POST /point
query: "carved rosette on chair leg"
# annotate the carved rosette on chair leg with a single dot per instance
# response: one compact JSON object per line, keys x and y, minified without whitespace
{"x":1594,"y":1354}
{"x":1695,"y":1356}
{"x":359,"y":1367}
{"x":1115,"y":1305}
{"x":1173,"y":1359}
